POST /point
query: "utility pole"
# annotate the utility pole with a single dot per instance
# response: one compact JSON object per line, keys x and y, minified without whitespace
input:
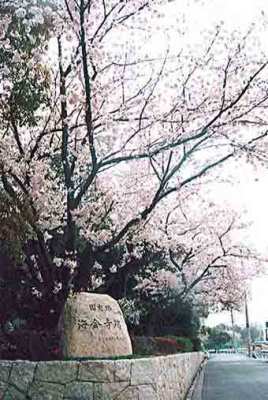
{"x":247,"y":326}
{"x":233,"y":332}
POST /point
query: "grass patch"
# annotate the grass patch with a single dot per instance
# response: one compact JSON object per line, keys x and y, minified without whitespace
{"x":112,"y":358}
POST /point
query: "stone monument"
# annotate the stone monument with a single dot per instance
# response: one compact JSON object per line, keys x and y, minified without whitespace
{"x":93,"y":326}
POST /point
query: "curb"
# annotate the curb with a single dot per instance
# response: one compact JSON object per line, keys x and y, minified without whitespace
{"x":195,"y":390}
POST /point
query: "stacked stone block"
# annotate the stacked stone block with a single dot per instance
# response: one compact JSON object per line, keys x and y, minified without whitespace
{"x":154,"y":378}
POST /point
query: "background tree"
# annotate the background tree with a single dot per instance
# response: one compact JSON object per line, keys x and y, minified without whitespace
{"x":256,"y":333}
{"x":218,"y":339}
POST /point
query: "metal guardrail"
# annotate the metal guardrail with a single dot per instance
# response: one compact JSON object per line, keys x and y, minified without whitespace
{"x":256,"y":354}
{"x":240,"y":350}
{"x":260,"y":354}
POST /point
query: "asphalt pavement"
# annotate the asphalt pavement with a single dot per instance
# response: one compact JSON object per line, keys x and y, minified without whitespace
{"x":235,"y":377}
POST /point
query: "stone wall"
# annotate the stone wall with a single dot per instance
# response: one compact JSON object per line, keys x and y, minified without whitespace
{"x":155,"y":378}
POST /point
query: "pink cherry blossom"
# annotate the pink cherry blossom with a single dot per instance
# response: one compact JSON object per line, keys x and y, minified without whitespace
{"x":129,"y":136}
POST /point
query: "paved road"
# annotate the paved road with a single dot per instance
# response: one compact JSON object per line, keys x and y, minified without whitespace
{"x":235,"y":377}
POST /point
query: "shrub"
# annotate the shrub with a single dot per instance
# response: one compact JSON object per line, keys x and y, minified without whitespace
{"x":148,"y":345}
{"x":185,"y":345}
{"x":29,"y":345}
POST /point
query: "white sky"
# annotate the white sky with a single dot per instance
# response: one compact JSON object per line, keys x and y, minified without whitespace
{"x":234,"y":13}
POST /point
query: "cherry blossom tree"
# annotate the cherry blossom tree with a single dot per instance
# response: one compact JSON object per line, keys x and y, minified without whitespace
{"x":117,"y":133}
{"x":204,"y":259}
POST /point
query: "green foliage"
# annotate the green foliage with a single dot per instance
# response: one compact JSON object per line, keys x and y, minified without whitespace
{"x":143,"y":345}
{"x":217,"y":338}
{"x":112,"y":358}
{"x":161,"y":345}
{"x":220,"y":336}
{"x":14,"y":230}
{"x":184,"y":343}
{"x":170,"y":317}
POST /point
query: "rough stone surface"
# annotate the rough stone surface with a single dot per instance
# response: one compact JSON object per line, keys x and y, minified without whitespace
{"x":5,"y":371}
{"x":145,"y":372}
{"x":100,"y":393}
{"x":115,"y":389}
{"x":79,"y":391}
{"x":22,"y":375}
{"x":97,"y":371}
{"x":93,"y":325}
{"x":46,"y":391}
{"x":14,"y":394}
{"x":57,"y":372}
{"x":3,"y":388}
{"x":154,"y":378}
{"x":147,"y":392}
{"x":130,"y":393}
{"x":122,"y":371}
